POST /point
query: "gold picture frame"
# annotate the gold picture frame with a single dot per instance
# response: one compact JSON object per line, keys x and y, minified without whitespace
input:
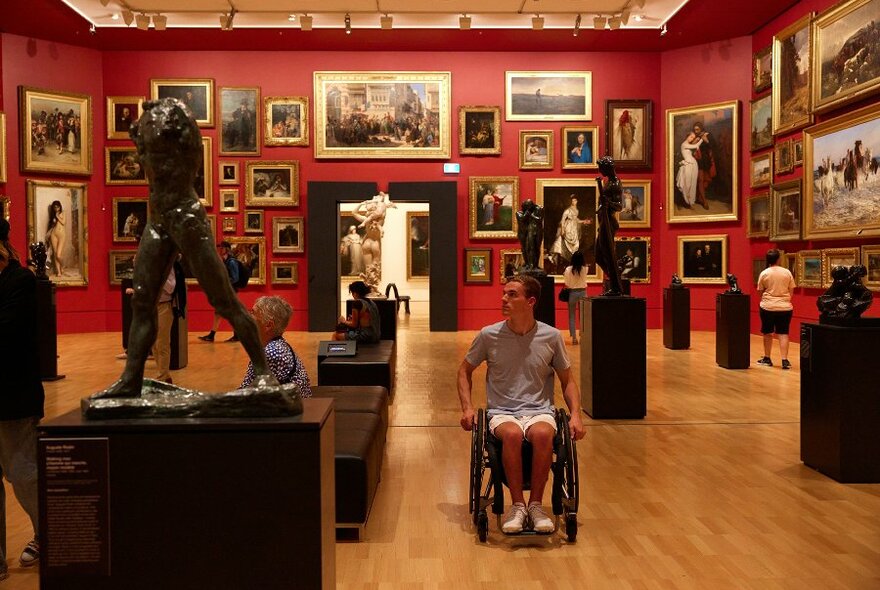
{"x":638,"y":268}
{"x":636,"y":212}
{"x":570,"y":223}
{"x":785,"y":211}
{"x":761,"y":123}
{"x":479,"y":130}
{"x":832,"y":257}
{"x":288,"y":235}
{"x":203,"y":184}
{"x":286,"y":120}
{"x":230,"y":225}
{"x":285,"y":273}
{"x":698,"y":264}
{"x":228,"y":172}
{"x":4,"y":207}
{"x":251,"y":251}
{"x":478,"y":266}
{"x":791,"y":49}
{"x":548,"y":96}
{"x":122,"y":166}
{"x":572,"y":149}
{"x":44,"y":149}
{"x":758,"y":216}
{"x":341,"y":96}
{"x":130,"y":218}
{"x":121,"y":265}
{"x":492,"y":205}
{"x":536,"y":149}
{"x":74,"y":239}
{"x":122,"y":112}
{"x":212,"y":224}
{"x":809,"y":269}
{"x":239,"y":130}
{"x":3,"y":152}
{"x":272,"y":183}
{"x":762,"y":69}
{"x":253,"y":221}
{"x":418,"y":246}
{"x":196,"y":93}
{"x":783,"y":156}
{"x":629,"y":134}
{"x":228,"y":198}
{"x":871,"y":260}
{"x":509,"y":260}
{"x":761,"y":170}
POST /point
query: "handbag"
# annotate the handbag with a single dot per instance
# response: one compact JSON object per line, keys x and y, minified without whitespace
{"x":563,"y":294}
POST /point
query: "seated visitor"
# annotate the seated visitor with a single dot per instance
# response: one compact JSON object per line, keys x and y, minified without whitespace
{"x":272,"y":315}
{"x":363,"y":323}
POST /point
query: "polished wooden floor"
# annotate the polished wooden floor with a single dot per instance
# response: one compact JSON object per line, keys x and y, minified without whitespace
{"x":707,"y":492}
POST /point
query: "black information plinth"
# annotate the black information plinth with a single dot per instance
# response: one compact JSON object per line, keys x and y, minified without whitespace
{"x":545,"y":309}
{"x":387,"y":316}
{"x":732,"y":337}
{"x":676,"y":318}
{"x":47,"y":332}
{"x":221,"y":503}
{"x":614,"y":358}
{"x":840,"y":402}
{"x":179,"y":345}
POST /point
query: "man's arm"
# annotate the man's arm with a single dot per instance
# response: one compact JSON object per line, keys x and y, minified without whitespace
{"x":573,"y":399}
{"x":465,"y":385}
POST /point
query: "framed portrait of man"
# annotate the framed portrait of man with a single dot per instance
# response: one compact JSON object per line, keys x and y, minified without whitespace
{"x":569,"y":223}
{"x":239,"y":121}
{"x":629,"y":132}
{"x":479,"y":130}
{"x":286,"y":120}
{"x":122,"y":112}
{"x":703,"y":259}
{"x":580,"y":147}
{"x":227,"y":172}
{"x":287,"y":235}
{"x":196,"y":93}
{"x":633,"y":255}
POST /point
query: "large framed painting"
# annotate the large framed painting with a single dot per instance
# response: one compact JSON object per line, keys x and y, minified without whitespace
{"x":2,"y":147}
{"x":536,"y":149}
{"x":478,"y":266}
{"x":55,"y":129}
{"x":401,"y":115}
{"x":492,"y":205}
{"x":351,"y":239}
{"x":832,"y":257}
{"x":286,"y":120}
{"x":785,"y":211}
{"x":479,"y":131}
{"x":239,"y":121}
{"x":702,"y":163}
{"x":202,"y":184}
{"x":636,"y":212}
{"x":809,"y":268}
{"x":871,"y":260}
{"x":130,"y":217}
{"x":791,"y":76}
{"x":418,"y":245}
{"x":287,"y":235}
{"x":761,"y":123}
{"x":196,"y":93}
{"x":251,"y":251}
{"x":628,"y":132}
{"x":845,"y":64}
{"x":758,"y":216}
{"x":635,"y":254}
{"x":122,"y":165}
{"x":272,"y":184}
{"x":580,"y":147}
{"x":122,"y":112}
{"x":569,"y":223}
{"x":761,"y":170}
{"x":548,"y":96}
{"x":703,"y":259}
{"x":783,"y":156}
{"x":285,"y":273}
{"x":121,"y":265}
{"x":762,"y":67}
{"x":510,"y":261}
{"x":842,"y":184}
{"x":57,"y":216}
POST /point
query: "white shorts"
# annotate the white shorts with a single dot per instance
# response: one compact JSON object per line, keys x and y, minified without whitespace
{"x":524,"y":422}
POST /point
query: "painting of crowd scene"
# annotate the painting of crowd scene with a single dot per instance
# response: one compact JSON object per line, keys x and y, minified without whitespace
{"x":55,"y":131}
{"x":287,"y":120}
{"x":843,"y":194}
{"x":791,"y":77}
{"x":846,"y":53}
{"x":382,"y":117}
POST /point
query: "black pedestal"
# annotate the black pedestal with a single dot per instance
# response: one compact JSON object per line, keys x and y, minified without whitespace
{"x":676,"y":318}
{"x":840,"y":405}
{"x":47,"y":331}
{"x":387,"y":316}
{"x":732,"y":330}
{"x":188,"y":503}
{"x":179,"y":349}
{"x":545,"y":309}
{"x":613,"y":358}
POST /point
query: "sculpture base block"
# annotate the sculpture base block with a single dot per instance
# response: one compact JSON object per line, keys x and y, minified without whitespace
{"x":676,"y":318}
{"x":732,"y":339}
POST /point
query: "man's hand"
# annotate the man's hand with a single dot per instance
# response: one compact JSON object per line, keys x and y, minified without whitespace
{"x":576,"y":426}
{"x":467,"y":419}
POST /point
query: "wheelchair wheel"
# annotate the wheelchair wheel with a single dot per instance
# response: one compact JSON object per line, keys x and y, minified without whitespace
{"x":572,"y":480}
{"x":571,"y":527}
{"x":476,"y":465}
{"x":483,"y":526}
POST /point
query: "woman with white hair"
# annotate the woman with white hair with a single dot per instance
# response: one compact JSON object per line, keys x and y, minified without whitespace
{"x":272,"y":315}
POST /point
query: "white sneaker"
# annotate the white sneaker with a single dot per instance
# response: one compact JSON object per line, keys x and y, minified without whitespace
{"x":514,"y":519}
{"x":541,"y":523}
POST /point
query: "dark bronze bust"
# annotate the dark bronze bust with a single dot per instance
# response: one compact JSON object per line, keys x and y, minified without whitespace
{"x":733,"y":285}
{"x":847,"y":298}
{"x":610,"y":202}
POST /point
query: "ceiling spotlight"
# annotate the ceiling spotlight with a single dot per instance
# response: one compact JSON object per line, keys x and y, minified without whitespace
{"x":127,"y":17}
{"x":305,"y":22}
{"x":577,"y":26}
{"x":663,"y":30}
{"x":93,"y":29}
{"x":142,"y":21}
{"x":537,"y":22}
{"x":347,"y":24}
{"x":226,"y":20}
{"x":638,"y":18}
{"x":291,"y":17}
{"x":464,"y":22}
{"x":115,"y":16}
{"x":386,"y":21}
{"x":599,"y":22}
{"x":160,"y":21}
{"x":614,"y":22}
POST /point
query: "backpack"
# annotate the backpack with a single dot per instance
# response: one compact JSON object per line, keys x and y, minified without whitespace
{"x":244,"y":274}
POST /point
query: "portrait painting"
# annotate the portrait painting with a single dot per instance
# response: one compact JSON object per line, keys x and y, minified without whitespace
{"x":809,"y":268}
{"x":227,"y":172}
{"x":239,"y":121}
{"x":536,"y":149}
{"x":702,"y":171}
{"x":121,"y":265}
{"x":783,"y":156}
{"x":122,"y":165}
{"x":569,"y":223}
{"x":286,"y":120}
{"x":633,"y":255}
{"x":841,"y":180}
{"x":702,"y":259}
{"x":55,"y":129}
{"x":760,"y":170}
{"x":351,"y":241}
{"x":580,"y":147}
{"x":57,"y":216}
{"x":492,"y":205}
{"x":761,"y":70}
{"x":202,"y":183}
{"x":871,"y":260}
{"x":832,"y":257}
{"x":511,"y":260}
{"x":229,"y":200}
{"x":272,"y":184}
{"x":253,"y":222}
{"x":287,"y":235}
{"x":251,"y":252}
{"x":798,"y":149}
{"x":761,"y":123}
{"x":478,"y":266}
{"x":196,"y":93}
{"x":758,"y":216}
{"x":479,"y":131}
{"x":628,"y":133}
{"x":636,"y":212}
{"x":2,"y":147}
{"x":130,"y":217}
{"x":230,"y":225}
{"x":548,"y":96}
{"x":845,"y":62}
{"x":285,"y":273}
{"x":403,"y":115}
{"x":785,"y":211}
{"x":791,"y":77}
{"x":418,"y":245}
{"x":122,"y":111}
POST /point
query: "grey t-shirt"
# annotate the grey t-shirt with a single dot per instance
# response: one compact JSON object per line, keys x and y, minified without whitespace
{"x":519,"y":379}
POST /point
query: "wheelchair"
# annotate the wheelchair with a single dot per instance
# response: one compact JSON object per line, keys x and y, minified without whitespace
{"x":486,"y":455}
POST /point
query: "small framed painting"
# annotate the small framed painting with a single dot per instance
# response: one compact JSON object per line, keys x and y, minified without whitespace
{"x":121,"y":265}
{"x":253,"y":222}
{"x":272,"y":184}
{"x":761,"y":70}
{"x":287,"y":235}
{"x":130,"y":217}
{"x":580,"y":147}
{"x":229,"y":225}
{"x":548,"y":96}
{"x":227,"y":172}
{"x":122,"y":165}
{"x":478,"y":266}
{"x":251,"y":251}
{"x":798,"y":151}
{"x":202,"y":184}
{"x":55,"y":129}
{"x":229,"y":200}
{"x":871,"y":260}
{"x":634,"y":253}
{"x":784,"y":156}
{"x":761,"y":170}
{"x":510,"y":261}
{"x":285,"y":273}
{"x":832,"y":257}
{"x":809,"y":268}
{"x":628,"y":133}
{"x":122,"y":111}
{"x":636,"y":212}
{"x":785,"y":211}
{"x":536,"y":149}
{"x":286,"y":120}
{"x":758,"y":215}
{"x":492,"y":205}
{"x":761,"y":120}
{"x":418,"y":245}
{"x":479,"y":131}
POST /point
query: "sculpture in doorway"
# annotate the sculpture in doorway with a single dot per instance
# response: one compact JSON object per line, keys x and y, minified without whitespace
{"x":530,"y":218}
{"x":352,"y":245}
{"x":38,"y":260}
{"x":371,"y":214}
{"x":847,"y":298}
{"x":170,"y":149}
{"x":733,"y":285}
{"x":610,"y":202}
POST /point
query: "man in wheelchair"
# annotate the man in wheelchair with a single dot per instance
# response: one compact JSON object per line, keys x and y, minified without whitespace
{"x":521,"y":356}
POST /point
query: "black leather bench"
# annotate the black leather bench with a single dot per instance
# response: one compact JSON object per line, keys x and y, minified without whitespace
{"x":374,"y":364}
